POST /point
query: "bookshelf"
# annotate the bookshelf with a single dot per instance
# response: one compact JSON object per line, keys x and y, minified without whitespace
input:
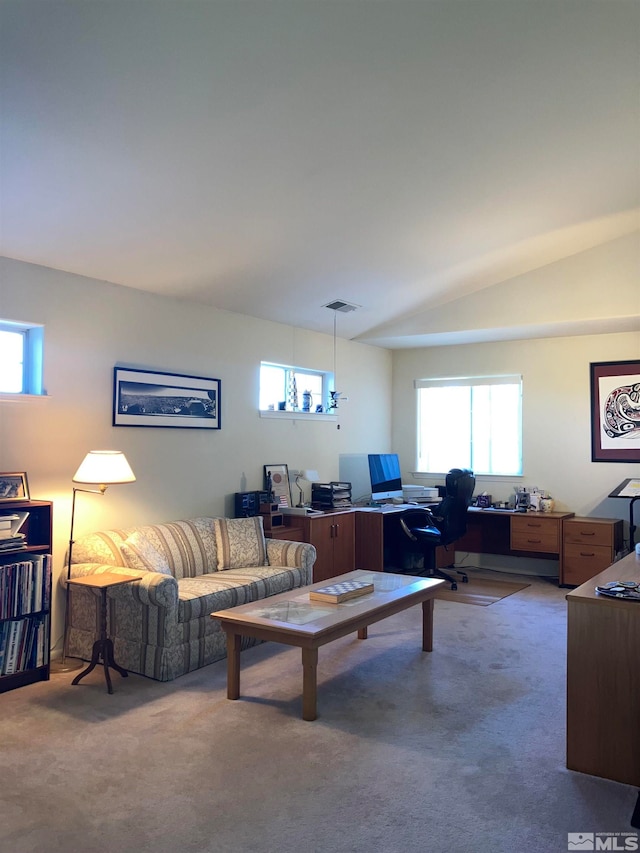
{"x":25,"y":597}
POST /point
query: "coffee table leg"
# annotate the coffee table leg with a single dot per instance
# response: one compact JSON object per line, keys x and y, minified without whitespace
{"x":233,"y":665}
{"x":309,"y":684}
{"x":427,"y":625}
{"x":362,"y":633}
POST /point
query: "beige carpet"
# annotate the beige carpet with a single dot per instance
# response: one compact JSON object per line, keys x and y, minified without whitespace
{"x":458,"y":750}
{"x":481,"y":591}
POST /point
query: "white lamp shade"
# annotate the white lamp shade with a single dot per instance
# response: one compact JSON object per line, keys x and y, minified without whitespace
{"x":104,"y":467}
{"x":311,"y":476}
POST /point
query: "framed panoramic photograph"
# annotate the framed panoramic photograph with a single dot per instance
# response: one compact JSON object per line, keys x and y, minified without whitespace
{"x":14,"y":487}
{"x":147,"y":398}
{"x":615,"y":411}
{"x":278,"y":476}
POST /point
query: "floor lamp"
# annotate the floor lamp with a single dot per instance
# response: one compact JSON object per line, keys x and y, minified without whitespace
{"x":100,"y":468}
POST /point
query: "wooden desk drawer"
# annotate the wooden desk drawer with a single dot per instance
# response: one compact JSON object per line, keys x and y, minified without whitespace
{"x":582,"y":562}
{"x":589,"y":546}
{"x":535,"y":534}
{"x":580,"y":533}
{"x":291,"y":534}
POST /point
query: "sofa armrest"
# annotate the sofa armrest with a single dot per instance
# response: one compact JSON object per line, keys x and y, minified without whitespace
{"x":154,"y":588}
{"x":296,"y":555}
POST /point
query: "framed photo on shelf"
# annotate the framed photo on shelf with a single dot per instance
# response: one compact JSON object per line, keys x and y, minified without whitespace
{"x":14,"y":487}
{"x":279,"y":476}
{"x":147,"y":398}
{"x":615,"y":411}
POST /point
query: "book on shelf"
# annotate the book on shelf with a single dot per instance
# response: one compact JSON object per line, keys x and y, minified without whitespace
{"x":10,"y":524}
{"x":13,"y":543}
{"x":7,"y":534}
{"x":13,"y":644}
{"x":343,"y":591}
{"x":24,"y":586}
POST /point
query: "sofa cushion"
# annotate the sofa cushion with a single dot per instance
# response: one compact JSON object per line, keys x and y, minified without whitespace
{"x":240,"y":542}
{"x":200,"y":597}
{"x":188,"y":546}
{"x":140,"y":554}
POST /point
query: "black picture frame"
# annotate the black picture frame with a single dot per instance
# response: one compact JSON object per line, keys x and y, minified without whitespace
{"x":615,"y":397}
{"x":151,"y":398}
{"x":14,"y":486}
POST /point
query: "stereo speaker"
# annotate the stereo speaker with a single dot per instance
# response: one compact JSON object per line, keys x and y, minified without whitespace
{"x":247,"y":504}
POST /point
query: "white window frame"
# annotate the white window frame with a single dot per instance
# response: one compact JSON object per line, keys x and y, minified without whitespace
{"x":32,"y":359}
{"x":328,"y":384}
{"x":469,"y":382}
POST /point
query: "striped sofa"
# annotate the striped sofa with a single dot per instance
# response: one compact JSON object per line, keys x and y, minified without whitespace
{"x":161,"y":627}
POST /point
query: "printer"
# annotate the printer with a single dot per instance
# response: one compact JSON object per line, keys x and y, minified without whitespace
{"x":420,"y":494}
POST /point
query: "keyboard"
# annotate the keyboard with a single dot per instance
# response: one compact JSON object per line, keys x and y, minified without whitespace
{"x":397,"y":507}
{"x":493,"y":508}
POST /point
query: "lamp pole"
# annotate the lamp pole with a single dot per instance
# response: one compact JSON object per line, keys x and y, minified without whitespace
{"x":100,"y":468}
{"x":99,"y":491}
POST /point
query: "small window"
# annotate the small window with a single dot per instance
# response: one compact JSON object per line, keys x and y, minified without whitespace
{"x":473,"y":422}
{"x":294,"y":389}
{"x":21,"y":350}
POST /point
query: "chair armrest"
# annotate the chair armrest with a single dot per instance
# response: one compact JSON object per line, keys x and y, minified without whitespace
{"x":406,"y":531}
{"x":296,"y":555}
{"x":154,"y":588}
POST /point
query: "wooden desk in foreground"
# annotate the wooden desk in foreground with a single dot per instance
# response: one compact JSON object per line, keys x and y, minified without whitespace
{"x":603,"y":678}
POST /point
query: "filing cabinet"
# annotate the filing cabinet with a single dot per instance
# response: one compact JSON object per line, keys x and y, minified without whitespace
{"x":334,"y":538}
{"x":589,"y":546}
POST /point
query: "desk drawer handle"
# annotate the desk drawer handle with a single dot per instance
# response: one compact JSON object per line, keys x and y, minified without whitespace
{"x":587,"y":533}
{"x":534,"y":541}
{"x":534,"y":524}
{"x":585,"y":554}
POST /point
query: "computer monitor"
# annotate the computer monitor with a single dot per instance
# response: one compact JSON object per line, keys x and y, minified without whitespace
{"x":384,"y":472}
{"x":354,"y":468}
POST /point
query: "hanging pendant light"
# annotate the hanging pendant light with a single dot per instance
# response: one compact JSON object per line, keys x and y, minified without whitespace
{"x":345,"y":308}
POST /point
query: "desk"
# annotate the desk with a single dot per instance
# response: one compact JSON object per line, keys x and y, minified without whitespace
{"x":366,"y":538}
{"x":530,"y":534}
{"x":603,"y":678}
{"x":520,"y":534}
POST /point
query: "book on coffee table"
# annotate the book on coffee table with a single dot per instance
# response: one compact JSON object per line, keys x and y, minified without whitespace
{"x":338,"y":592}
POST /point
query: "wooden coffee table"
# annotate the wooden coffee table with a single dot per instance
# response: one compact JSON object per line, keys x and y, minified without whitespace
{"x":293,"y":619}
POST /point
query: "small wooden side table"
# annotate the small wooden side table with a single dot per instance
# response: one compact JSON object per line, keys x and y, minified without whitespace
{"x":103,"y":646}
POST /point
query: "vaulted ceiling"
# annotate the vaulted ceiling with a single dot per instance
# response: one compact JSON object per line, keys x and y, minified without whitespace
{"x":269,"y":156}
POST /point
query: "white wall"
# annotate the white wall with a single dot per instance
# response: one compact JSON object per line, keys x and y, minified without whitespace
{"x":92,"y":326}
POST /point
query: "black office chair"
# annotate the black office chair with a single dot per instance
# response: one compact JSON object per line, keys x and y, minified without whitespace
{"x":441,"y":525}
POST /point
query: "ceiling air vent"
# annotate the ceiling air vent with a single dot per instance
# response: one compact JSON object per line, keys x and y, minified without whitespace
{"x":341,"y":305}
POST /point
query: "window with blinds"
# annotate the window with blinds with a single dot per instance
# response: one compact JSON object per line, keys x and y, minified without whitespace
{"x":470,"y":422}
